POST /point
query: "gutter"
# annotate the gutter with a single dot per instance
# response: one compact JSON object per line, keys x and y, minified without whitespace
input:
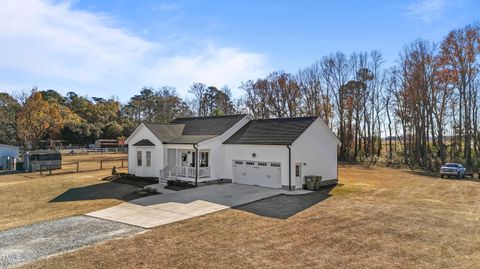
{"x":289,"y":167}
{"x":196,"y":164}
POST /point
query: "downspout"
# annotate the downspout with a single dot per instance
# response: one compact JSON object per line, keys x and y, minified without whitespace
{"x":337,"y":161}
{"x":289,"y":167}
{"x":196,"y":164}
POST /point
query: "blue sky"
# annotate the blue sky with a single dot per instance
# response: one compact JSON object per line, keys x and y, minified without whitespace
{"x":113,"y":48}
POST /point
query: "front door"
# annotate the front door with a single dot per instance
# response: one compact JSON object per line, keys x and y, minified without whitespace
{"x":298,"y":176}
{"x":171,"y":159}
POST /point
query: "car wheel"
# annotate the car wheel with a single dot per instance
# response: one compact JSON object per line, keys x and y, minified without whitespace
{"x":459,"y":176}
{"x":441,"y":176}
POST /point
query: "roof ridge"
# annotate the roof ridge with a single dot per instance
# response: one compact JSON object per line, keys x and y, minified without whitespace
{"x":211,"y":117}
{"x":288,"y":118}
{"x":166,"y":123}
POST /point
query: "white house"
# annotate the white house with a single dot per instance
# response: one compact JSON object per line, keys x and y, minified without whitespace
{"x":276,"y":153}
{"x":8,"y":156}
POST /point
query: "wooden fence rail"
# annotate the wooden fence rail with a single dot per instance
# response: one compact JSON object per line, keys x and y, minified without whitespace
{"x":47,"y":170}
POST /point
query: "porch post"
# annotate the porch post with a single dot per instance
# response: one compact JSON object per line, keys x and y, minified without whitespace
{"x":196,"y":164}
{"x":176,"y":157}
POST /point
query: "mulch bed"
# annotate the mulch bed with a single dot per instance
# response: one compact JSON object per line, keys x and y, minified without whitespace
{"x":140,"y":182}
{"x":122,"y":178}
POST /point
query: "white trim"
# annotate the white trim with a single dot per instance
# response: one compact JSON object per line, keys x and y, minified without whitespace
{"x":339,"y":143}
{"x":323,"y":125}
{"x":239,"y":124}
{"x":127,"y":141}
{"x":134,"y":133}
{"x":9,"y":146}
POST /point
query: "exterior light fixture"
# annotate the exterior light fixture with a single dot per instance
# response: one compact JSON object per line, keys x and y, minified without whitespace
{"x":254,"y":155}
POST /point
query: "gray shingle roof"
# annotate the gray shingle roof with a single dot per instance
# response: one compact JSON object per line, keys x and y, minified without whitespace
{"x":215,"y":125}
{"x":282,"y":131}
{"x":144,"y":142}
{"x":190,"y":139}
{"x":164,"y":131}
{"x":192,"y":130}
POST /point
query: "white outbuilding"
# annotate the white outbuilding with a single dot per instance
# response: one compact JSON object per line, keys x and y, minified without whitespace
{"x":276,"y":153}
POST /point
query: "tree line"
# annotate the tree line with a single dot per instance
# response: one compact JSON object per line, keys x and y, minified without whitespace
{"x":422,"y":111}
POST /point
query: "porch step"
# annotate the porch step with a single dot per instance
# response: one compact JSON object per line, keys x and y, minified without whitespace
{"x":165,"y":179}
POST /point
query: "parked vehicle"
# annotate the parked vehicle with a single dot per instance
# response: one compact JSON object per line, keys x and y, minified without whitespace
{"x":453,"y":169}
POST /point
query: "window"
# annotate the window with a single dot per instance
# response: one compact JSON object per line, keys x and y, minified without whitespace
{"x":139,"y":158}
{"x":262,"y":164}
{"x":297,"y":170}
{"x":275,"y":165}
{"x":148,"y":156}
{"x":203,"y":159}
{"x":238,"y":162}
{"x":194,"y":160}
{"x":249,"y":163}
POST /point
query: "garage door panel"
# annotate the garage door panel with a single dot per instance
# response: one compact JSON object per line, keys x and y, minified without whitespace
{"x":260,"y":173}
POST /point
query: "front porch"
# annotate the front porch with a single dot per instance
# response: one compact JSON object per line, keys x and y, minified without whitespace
{"x":183,"y":164}
{"x":190,"y":172}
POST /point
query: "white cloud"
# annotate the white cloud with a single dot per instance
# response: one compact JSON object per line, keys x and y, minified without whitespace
{"x":50,"y":41}
{"x":426,"y":10}
{"x":53,"y":40}
{"x":212,"y":66}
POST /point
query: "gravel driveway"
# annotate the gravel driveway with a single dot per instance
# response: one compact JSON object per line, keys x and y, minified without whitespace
{"x":25,"y":244}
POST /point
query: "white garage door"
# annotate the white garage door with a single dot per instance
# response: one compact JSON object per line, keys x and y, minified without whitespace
{"x":266,"y":174}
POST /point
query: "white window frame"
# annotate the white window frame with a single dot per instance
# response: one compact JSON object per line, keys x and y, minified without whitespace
{"x":148,"y":158}
{"x":139,"y":158}
{"x":204,"y":158}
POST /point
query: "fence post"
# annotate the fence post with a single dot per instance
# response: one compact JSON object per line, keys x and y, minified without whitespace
{"x":50,"y":170}
{"x":78,"y":166}
{"x":101,"y":164}
{"x":122,"y":163}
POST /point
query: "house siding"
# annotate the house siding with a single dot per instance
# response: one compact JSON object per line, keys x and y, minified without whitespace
{"x":217,"y":149}
{"x":157,"y":160}
{"x":316,"y":149}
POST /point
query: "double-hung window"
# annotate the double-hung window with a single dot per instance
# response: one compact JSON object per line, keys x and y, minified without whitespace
{"x":148,"y":157}
{"x":204,"y":159}
{"x":139,"y":158}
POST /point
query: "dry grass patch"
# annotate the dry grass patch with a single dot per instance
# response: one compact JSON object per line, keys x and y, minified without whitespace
{"x":376,"y":218}
{"x":26,"y":198}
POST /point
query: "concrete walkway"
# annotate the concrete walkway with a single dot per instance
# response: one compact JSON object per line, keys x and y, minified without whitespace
{"x":166,"y":208}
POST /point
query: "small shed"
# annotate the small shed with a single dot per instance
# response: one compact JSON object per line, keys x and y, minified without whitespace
{"x":42,"y":160}
{"x":8,"y":157}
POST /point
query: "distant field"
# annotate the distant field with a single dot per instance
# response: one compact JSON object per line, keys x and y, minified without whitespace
{"x":27,"y":198}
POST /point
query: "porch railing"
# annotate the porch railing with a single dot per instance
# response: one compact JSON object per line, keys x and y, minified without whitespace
{"x":185,"y":171}
{"x":203,"y":172}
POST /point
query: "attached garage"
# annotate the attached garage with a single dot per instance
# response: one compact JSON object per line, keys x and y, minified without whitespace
{"x":280,"y":153}
{"x":267,"y":174}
